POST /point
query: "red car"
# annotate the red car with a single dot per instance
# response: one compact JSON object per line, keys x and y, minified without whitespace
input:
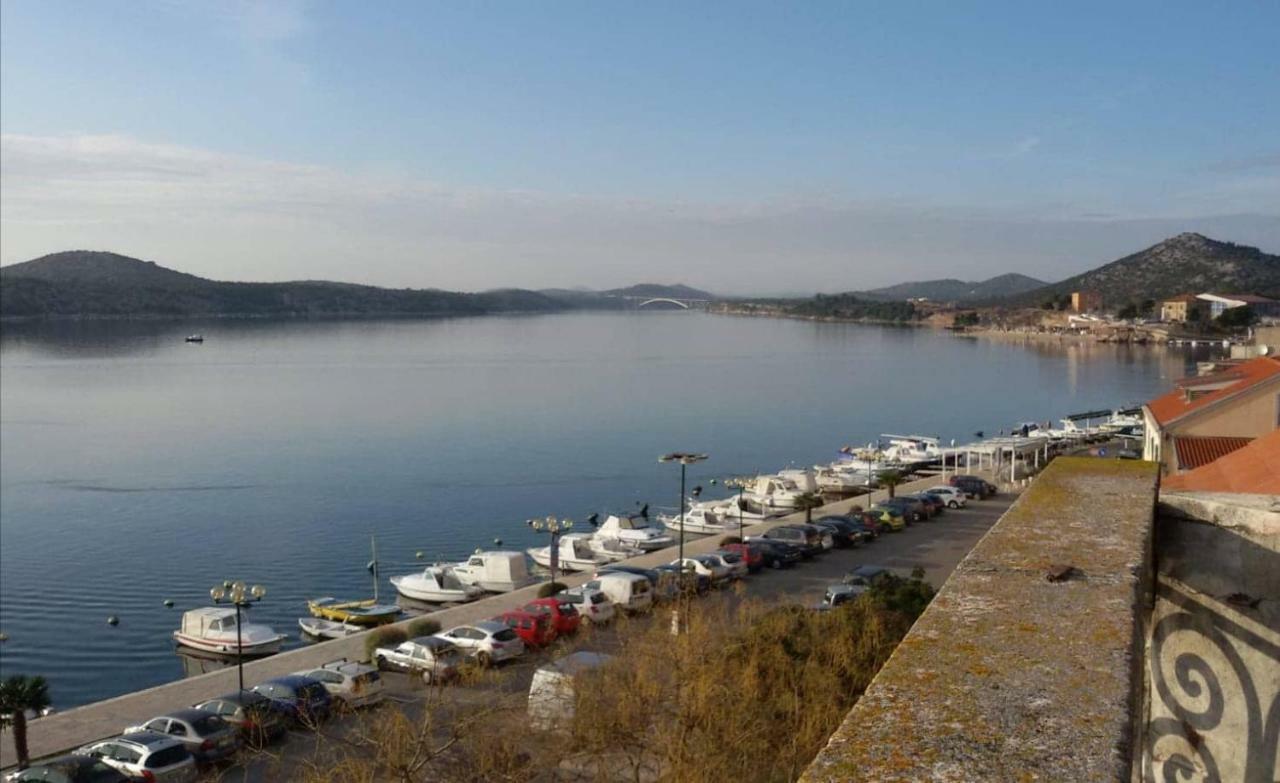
{"x":564,"y":616}
{"x":753,"y":556}
{"x":535,"y":629}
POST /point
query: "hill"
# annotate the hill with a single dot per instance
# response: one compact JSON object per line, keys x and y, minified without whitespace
{"x":655,"y":290}
{"x":952,"y":290}
{"x":1187,"y":263}
{"x":84,"y":283}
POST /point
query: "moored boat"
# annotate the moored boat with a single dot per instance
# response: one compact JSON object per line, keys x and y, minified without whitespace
{"x":633,"y":530}
{"x":364,"y":612}
{"x":213,"y":629}
{"x":438,"y":584}
{"x":574,"y":554}
{"x":327,"y":629}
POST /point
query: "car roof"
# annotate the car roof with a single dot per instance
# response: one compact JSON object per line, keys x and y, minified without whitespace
{"x":187,"y":714}
{"x":434,"y":642}
{"x":347,"y":667}
{"x":291,"y":680}
{"x":489,"y":625}
{"x":519,"y":614}
{"x":147,"y":739}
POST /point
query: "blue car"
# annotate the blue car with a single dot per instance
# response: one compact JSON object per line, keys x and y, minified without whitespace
{"x":303,"y":699}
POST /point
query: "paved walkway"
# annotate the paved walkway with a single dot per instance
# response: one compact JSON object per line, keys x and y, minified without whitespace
{"x":66,"y":730}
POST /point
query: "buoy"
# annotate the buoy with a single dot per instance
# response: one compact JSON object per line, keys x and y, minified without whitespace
{"x":168,"y":602}
{"x":497,"y":542}
{"x":4,"y":637}
{"x":113,"y":620}
{"x":418,"y":554}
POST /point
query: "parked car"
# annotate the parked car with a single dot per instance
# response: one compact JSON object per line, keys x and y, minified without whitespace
{"x":891,"y":516}
{"x":487,"y":641}
{"x":535,"y":629}
{"x":436,"y":659}
{"x":842,"y":530}
{"x":840,"y":594}
{"x":258,"y":718}
{"x":933,"y":503}
{"x":973,"y":486}
{"x":564,"y":615}
{"x":155,"y":758}
{"x":736,"y":565}
{"x":304,"y":700}
{"x":866,"y":576}
{"x":870,"y":530}
{"x":954,"y":497}
{"x":701,"y":565}
{"x":628,"y":592}
{"x":206,"y":736}
{"x":71,"y":768}
{"x":351,"y":683}
{"x":698,"y":582}
{"x":751,"y":554}
{"x":777,"y":554}
{"x":912,"y":510}
{"x":804,"y":536}
{"x":593,"y":605}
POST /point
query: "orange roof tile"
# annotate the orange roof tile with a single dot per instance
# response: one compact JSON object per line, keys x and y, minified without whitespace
{"x":1253,"y":469}
{"x":1195,"y":451}
{"x":1174,"y":405}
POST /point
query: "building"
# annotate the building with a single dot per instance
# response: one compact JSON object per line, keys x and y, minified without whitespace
{"x":1210,"y":416}
{"x":1260,"y":305}
{"x":1086,"y":301}
{"x":1178,"y":308}
{"x":1253,"y":469}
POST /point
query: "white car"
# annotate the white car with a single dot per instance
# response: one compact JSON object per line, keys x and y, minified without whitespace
{"x":488,"y":641}
{"x":704,"y":565}
{"x":593,"y":605}
{"x":354,"y":684}
{"x":437,"y":659}
{"x":954,"y":497}
{"x":736,"y":565}
{"x":145,"y":755}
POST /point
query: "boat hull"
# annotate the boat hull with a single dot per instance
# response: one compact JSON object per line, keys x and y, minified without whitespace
{"x":355,"y":612}
{"x":421,"y":590}
{"x":228,"y":646}
{"x":327,"y":629}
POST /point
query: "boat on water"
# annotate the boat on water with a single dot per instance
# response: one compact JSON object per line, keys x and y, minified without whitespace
{"x":495,"y":571}
{"x":213,"y":629}
{"x":704,"y":519}
{"x":633,"y":530}
{"x":438,"y":584}
{"x":804,"y":479}
{"x":843,"y":476}
{"x":773,"y":492}
{"x":366,"y":611}
{"x":910,"y":449}
{"x":194,"y":338}
{"x":575,"y":553}
{"x":327,"y":629}
{"x":614,"y":549}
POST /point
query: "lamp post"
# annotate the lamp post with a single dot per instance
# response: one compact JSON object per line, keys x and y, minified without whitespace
{"x":739,"y":483}
{"x":237,"y":594}
{"x":555,"y":527}
{"x":685,"y":459}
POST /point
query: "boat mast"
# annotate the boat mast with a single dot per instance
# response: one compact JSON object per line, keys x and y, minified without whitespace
{"x":373,"y":565}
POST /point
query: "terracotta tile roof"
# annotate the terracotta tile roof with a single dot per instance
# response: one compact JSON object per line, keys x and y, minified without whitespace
{"x":1188,"y":298}
{"x":1174,"y":405}
{"x":1196,"y":451}
{"x":1253,"y":469}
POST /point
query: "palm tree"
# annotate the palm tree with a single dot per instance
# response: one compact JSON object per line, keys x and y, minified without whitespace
{"x":891,"y":479}
{"x":807,"y":503}
{"x":17,"y":695}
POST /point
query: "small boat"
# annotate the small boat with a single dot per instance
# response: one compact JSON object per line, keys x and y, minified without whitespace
{"x":366,"y":612}
{"x":614,"y":549}
{"x":361,"y":612}
{"x":195,"y":338}
{"x":495,"y":571}
{"x":575,"y":554}
{"x":704,"y":519}
{"x":213,"y":629}
{"x":804,"y":479}
{"x":437,"y":583}
{"x":910,"y":449}
{"x":327,"y":629}
{"x":633,"y":530}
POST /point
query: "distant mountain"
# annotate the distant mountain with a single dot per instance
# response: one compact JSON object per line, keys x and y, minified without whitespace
{"x":952,"y":290}
{"x":654,"y":290}
{"x":84,"y":283}
{"x":624,"y":298}
{"x":1187,"y":263}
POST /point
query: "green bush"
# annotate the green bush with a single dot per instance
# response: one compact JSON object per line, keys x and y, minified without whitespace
{"x":727,"y":540}
{"x":386,"y":636}
{"x":423,"y":626}
{"x":550,"y":589}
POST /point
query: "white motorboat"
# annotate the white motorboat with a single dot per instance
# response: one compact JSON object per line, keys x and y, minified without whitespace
{"x":703,"y":519}
{"x":495,"y":571}
{"x":437,"y":583}
{"x":634,"y":530}
{"x":1123,"y":419}
{"x":843,"y":476}
{"x":575,"y":554}
{"x":614,"y":549}
{"x":774,"y":492}
{"x":213,"y":629}
{"x":804,"y":479}
{"x":327,"y":629}
{"x":911,"y":448}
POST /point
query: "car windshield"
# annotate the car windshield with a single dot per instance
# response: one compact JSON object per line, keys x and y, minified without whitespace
{"x":598,"y":598}
{"x":207,"y":724}
{"x":505,"y":635}
{"x":174,"y":754}
{"x":311,"y":690}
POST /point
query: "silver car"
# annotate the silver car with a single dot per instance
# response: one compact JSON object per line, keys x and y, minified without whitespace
{"x":145,"y":755}
{"x":487,"y":641}
{"x":207,"y":736}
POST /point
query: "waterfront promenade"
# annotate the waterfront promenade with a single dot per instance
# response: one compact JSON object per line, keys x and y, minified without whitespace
{"x":75,"y":727}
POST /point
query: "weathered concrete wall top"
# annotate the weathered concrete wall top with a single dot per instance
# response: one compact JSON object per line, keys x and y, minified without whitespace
{"x":1011,"y":676}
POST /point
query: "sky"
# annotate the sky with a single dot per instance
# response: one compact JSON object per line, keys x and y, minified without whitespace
{"x":739,"y":147}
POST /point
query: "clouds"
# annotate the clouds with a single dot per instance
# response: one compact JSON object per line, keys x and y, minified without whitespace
{"x":238,"y":217}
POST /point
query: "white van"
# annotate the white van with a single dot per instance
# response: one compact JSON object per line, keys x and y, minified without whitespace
{"x":629,"y":592}
{"x":551,"y":694}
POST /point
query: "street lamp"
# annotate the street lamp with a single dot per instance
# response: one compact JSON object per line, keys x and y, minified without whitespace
{"x":237,"y":594}
{"x":555,"y":527}
{"x":685,"y":459}
{"x":739,"y":483}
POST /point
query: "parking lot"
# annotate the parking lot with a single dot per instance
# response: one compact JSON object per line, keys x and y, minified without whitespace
{"x":937,"y":546}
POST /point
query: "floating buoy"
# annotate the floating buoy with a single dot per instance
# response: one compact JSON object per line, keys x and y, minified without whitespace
{"x":497,"y":542}
{"x":4,"y":637}
{"x":168,"y":602}
{"x":418,"y":554}
{"x":113,"y":620}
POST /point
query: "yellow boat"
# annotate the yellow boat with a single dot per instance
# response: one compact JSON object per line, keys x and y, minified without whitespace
{"x":364,"y":612}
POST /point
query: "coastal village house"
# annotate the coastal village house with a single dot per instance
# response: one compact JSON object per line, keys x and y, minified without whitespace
{"x":1086,"y":301}
{"x":1179,"y":307}
{"x":1206,"y":418}
{"x":1260,"y":305}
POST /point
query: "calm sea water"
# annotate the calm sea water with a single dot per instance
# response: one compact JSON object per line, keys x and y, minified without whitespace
{"x":136,"y":468}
